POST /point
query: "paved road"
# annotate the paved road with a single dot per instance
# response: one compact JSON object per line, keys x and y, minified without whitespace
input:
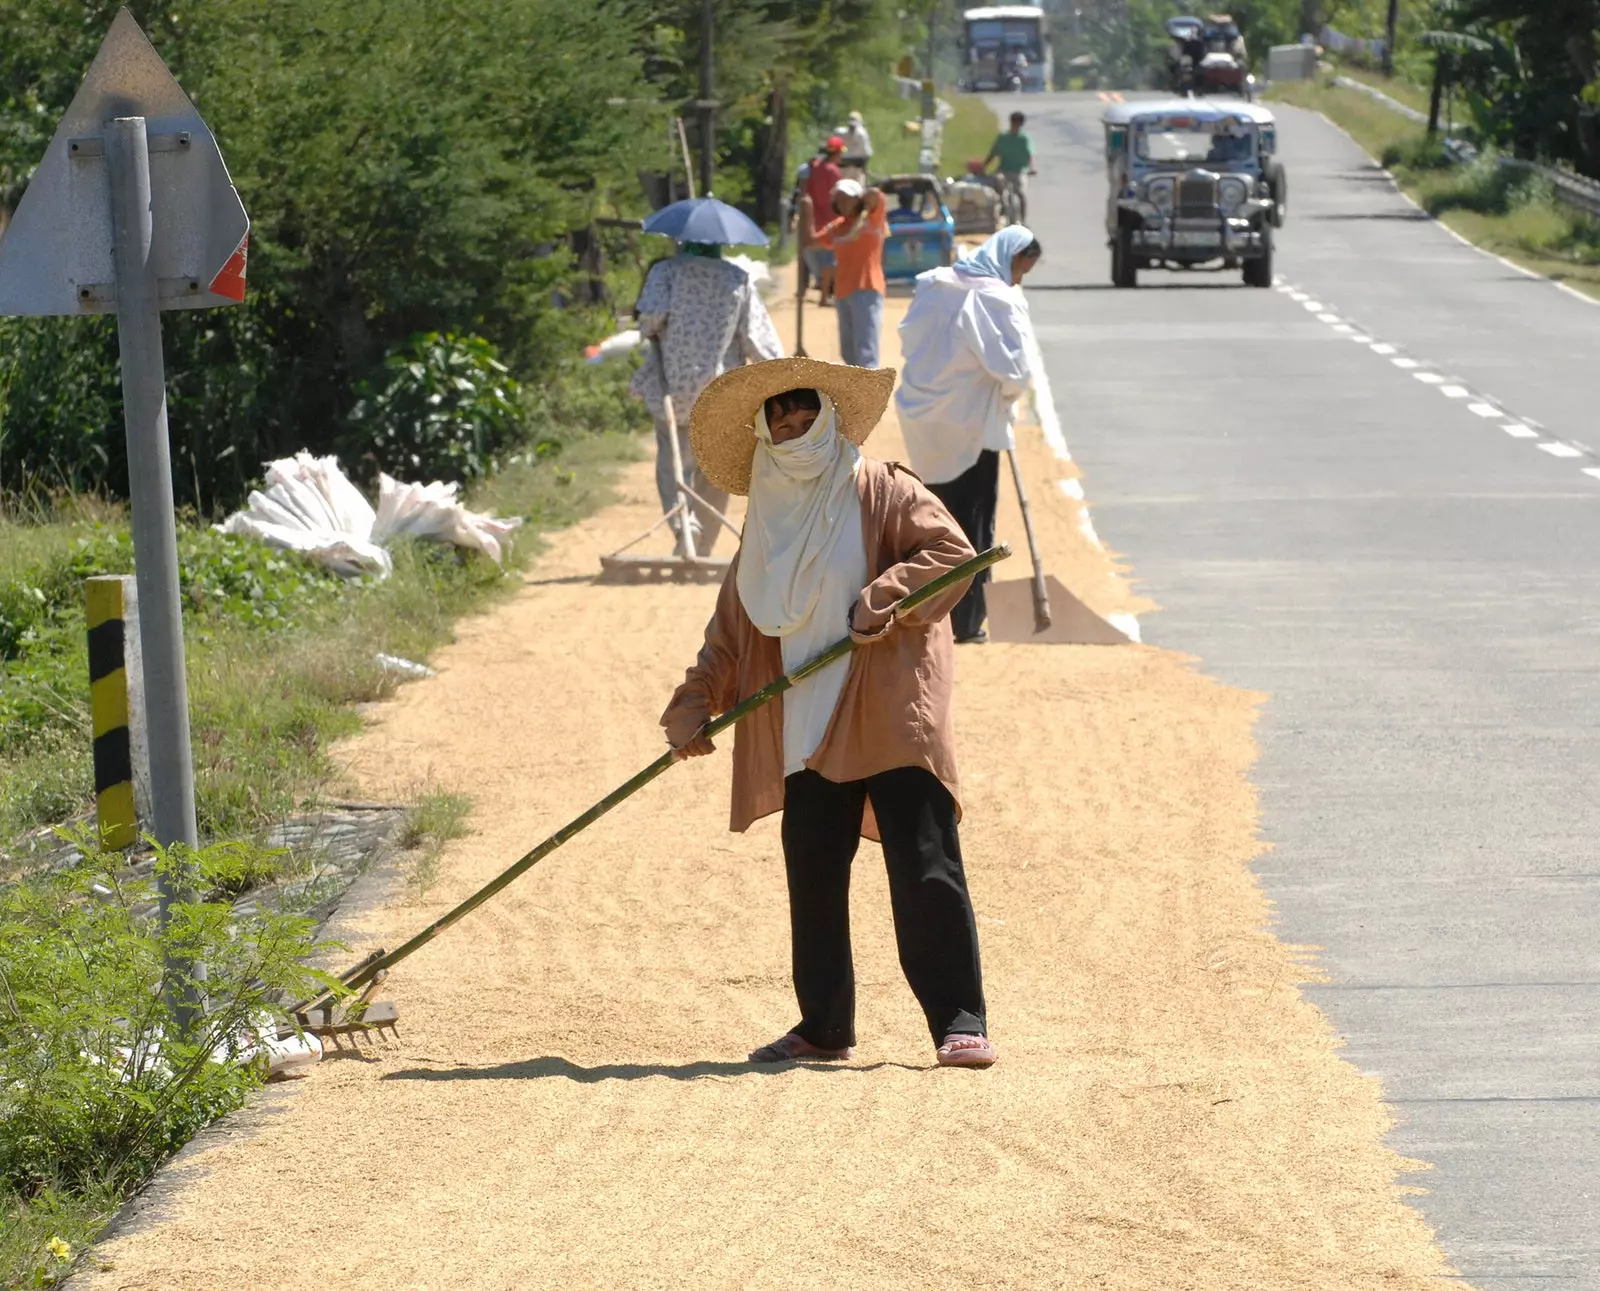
{"x":1376,"y":537}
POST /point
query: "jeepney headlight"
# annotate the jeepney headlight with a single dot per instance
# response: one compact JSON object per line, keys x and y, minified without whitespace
{"x":1232,"y":193}
{"x":1161,"y":193}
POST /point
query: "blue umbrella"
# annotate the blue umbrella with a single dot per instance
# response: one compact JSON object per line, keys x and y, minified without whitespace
{"x":705,"y":219}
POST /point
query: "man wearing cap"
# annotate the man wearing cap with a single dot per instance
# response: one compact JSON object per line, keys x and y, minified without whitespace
{"x":856,"y":236}
{"x":824,"y":173}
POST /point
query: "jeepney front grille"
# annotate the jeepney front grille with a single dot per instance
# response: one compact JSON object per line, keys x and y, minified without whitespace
{"x":1197,"y":195}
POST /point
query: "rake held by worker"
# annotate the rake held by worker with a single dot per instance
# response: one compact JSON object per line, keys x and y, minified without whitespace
{"x":351,"y":1010}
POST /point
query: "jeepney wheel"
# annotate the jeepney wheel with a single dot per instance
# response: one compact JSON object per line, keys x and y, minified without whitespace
{"x":1278,"y":186}
{"x":1124,"y":268}
{"x":1258,"y":272}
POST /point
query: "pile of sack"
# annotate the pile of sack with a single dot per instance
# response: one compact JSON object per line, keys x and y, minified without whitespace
{"x":311,"y":507}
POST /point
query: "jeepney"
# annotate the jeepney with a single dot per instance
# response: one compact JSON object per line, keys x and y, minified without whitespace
{"x":1193,"y":183}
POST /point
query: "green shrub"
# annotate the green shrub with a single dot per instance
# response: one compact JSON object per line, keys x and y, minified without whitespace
{"x":112,"y":1051}
{"x":443,"y":408}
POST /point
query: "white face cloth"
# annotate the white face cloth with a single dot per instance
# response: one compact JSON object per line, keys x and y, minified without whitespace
{"x":801,"y":495}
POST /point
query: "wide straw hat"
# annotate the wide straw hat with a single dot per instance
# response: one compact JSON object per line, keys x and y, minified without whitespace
{"x":722,"y":425}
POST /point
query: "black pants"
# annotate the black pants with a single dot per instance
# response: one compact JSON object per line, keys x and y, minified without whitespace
{"x":933,"y":921}
{"x":972,"y":498}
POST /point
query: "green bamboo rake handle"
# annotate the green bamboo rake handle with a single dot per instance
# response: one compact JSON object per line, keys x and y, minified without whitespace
{"x":370,"y":967}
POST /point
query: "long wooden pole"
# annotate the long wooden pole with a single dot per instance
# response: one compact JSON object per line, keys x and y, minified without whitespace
{"x":372,"y":966}
{"x":1041,"y":597}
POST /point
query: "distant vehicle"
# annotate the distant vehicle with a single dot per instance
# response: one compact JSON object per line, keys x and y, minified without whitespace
{"x":1208,"y":57}
{"x":1006,"y":47}
{"x":1192,"y":184}
{"x":922,"y":232}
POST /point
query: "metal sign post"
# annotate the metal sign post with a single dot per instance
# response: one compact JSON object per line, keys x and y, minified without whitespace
{"x":155,"y":530}
{"x":132,"y":210}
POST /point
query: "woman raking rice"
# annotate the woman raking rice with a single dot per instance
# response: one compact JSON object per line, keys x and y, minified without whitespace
{"x":832,"y":541}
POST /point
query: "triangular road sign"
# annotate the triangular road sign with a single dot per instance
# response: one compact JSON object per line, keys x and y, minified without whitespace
{"x":55,"y":256}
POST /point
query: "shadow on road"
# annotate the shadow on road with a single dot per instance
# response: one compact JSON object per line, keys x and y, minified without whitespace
{"x":1407,"y":217}
{"x":560,"y":1068}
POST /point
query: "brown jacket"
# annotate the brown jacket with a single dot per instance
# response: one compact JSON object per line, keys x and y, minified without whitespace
{"x":894,"y":710}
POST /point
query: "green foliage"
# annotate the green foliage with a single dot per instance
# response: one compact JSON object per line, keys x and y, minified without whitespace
{"x":437,"y":818}
{"x":443,"y":407}
{"x":378,"y":211}
{"x":102,"y":1072}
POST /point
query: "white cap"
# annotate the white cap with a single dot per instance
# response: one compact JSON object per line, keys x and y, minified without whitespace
{"x":849,"y":188}
{"x":856,"y":117}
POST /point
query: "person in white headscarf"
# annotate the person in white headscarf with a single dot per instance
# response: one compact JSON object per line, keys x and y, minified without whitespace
{"x":832,"y":542}
{"x":966,"y":339}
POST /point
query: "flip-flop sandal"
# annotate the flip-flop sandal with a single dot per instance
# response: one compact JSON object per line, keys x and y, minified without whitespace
{"x":788,"y":1048}
{"x":967,"y":1051}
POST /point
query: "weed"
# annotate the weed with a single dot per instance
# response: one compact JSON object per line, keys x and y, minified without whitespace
{"x":437,"y":818}
{"x":113,"y":1051}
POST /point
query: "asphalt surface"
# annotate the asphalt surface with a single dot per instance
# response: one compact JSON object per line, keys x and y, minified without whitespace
{"x":1389,"y":553}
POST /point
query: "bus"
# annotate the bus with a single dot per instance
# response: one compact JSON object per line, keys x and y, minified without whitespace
{"x":993,"y":37}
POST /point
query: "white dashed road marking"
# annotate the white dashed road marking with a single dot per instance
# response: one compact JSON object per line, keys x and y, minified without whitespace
{"x":1478,"y":404}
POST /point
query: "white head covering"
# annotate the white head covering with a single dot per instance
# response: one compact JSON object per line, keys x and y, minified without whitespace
{"x":800,"y":494}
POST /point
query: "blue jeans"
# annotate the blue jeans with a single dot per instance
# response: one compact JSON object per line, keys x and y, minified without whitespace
{"x":860,"y":320}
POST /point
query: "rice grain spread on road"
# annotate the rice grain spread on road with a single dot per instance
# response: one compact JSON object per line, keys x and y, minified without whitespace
{"x":567,"y":1104}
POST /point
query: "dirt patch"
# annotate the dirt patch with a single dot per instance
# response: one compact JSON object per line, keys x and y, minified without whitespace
{"x":567,"y":1105}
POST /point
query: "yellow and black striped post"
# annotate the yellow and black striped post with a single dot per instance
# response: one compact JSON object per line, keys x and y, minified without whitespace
{"x":115,"y":806}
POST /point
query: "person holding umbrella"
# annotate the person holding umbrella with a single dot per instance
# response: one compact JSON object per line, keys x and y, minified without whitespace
{"x":708,"y":318}
{"x":966,"y":340}
{"x":832,"y":541}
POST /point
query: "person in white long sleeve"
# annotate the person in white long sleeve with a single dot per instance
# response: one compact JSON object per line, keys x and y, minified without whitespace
{"x":966,"y":341}
{"x":709,"y":318}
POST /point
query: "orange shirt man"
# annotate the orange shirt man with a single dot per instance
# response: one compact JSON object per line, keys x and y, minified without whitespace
{"x":856,"y":237}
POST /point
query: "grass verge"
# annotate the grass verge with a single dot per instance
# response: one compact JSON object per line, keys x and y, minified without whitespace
{"x":278,"y":652}
{"x":1512,"y":215}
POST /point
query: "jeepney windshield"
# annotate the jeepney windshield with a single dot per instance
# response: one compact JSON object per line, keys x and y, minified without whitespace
{"x":1190,"y":145}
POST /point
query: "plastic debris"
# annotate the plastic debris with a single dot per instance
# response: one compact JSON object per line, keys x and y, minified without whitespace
{"x":393,"y":663}
{"x":310,"y":506}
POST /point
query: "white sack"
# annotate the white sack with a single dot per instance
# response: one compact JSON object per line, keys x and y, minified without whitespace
{"x":310,"y":506}
{"x":431,"y":511}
